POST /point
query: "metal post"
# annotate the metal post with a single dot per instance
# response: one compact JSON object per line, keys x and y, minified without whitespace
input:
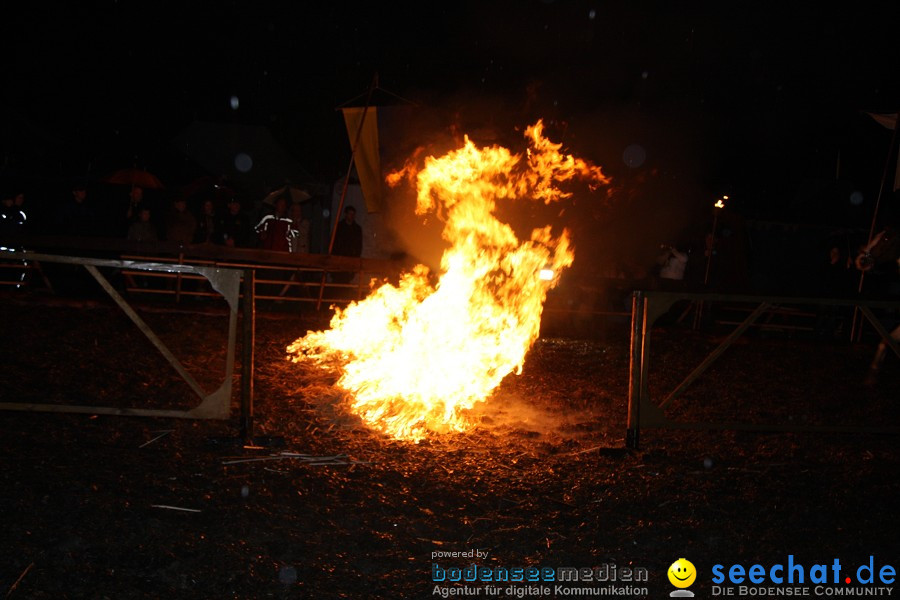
{"x":178,"y":279}
{"x":321,"y":289}
{"x":632,"y":433}
{"x":644,"y":390}
{"x":856,"y":325}
{"x":249,"y":335}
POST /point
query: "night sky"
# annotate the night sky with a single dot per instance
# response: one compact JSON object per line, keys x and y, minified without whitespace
{"x":753,"y":99}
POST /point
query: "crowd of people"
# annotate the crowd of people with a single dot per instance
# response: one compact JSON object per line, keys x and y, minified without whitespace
{"x":221,"y":221}
{"x":278,"y":223}
{"x":281,"y":222}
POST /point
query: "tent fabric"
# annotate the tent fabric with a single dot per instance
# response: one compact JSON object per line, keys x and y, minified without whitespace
{"x":367,"y":155}
{"x":889,"y":121}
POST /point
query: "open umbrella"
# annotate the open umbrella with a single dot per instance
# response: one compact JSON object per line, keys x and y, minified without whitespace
{"x":135,"y":177}
{"x":290,"y":192}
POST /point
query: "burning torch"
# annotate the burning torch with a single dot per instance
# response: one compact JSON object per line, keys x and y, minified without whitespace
{"x":710,"y":248}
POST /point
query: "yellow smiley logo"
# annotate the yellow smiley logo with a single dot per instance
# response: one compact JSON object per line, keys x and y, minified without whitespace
{"x":682,"y":573}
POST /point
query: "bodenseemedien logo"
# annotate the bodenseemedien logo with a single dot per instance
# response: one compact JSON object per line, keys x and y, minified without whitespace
{"x":681,"y":575}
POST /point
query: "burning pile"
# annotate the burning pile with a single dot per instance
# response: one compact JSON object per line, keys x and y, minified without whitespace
{"x":417,"y":355}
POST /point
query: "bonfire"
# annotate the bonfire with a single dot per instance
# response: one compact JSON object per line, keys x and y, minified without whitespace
{"x":416,"y":356}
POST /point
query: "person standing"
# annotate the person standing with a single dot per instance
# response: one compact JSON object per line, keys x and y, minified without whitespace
{"x":135,"y":203}
{"x":12,"y":223}
{"x":207,"y":224}
{"x":78,"y":217}
{"x":181,"y":226}
{"x":143,"y":229}
{"x":19,"y":203}
{"x":299,"y":229}
{"x":673,"y":264}
{"x":299,"y":232}
{"x":275,"y":229}
{"x":348,"y":240}
{"x":234,"y":228}
{"x":12,"y":220}
{"x":835,"y":281}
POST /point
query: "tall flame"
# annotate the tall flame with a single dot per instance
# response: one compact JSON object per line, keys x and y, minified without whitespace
{"x":417,"y":355}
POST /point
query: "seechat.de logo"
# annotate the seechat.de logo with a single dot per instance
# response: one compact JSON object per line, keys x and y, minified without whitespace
{"x":682,"y":574}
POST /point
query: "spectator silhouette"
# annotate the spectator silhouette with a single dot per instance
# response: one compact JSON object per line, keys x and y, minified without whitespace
{"x":672,"y":263}
{"x":275,"y":229}
{"x":234,"y":227}
{"x":348,"y":240}
{"x":12,"y":223}
{"x":835,"y":281}
{"x":12,"y":219}
{"x":143,"y":229}
{"x":207,"y":225}
{"x":299,"y":229}
{"x":135,"y":203}
{"x":299,"y":242}
{"x":27,"y":222}
{"x":77,"y":217}
{"x":181,"y":225}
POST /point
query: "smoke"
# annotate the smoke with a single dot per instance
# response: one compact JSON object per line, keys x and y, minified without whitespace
{"x":437,"y":126}
{"x":511,"y":414}
{"x":660,"y":160}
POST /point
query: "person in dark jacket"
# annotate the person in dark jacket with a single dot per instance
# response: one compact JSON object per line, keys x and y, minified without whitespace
{"x":348,"y":240}
{"x":181,"y":225}
{"x":234,"y":227}
{"x":77,"y":217}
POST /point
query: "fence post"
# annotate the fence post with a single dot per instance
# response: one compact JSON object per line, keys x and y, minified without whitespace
{"x":247,"y":355}
{"x":632,"y":433}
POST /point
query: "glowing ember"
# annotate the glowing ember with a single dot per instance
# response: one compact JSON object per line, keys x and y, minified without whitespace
{"x":416,"y":356}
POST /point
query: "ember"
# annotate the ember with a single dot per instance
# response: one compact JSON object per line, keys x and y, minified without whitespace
{"x":417,"y":355}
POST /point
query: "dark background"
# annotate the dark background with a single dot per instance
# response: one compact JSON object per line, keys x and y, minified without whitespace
{"x":762,"y":101}
{"x":755,"y":100}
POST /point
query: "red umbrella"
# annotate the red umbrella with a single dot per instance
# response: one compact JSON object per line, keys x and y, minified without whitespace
{"x":135,"y":177}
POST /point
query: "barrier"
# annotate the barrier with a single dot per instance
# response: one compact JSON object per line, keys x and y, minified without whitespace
{"x":298,"y":284}
{"x":282,"y":272}
{"x":648,"y":306}
{"x":213,"y":405}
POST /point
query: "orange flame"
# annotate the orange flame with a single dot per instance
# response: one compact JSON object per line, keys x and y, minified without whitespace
{"x":416,"y":356}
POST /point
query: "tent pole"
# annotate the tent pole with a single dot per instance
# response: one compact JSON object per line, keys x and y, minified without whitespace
{"x":340,"y":208}
{"x":857,"y":321}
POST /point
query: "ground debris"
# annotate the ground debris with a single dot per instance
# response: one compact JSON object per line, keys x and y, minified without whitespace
{"x":543,"y":479}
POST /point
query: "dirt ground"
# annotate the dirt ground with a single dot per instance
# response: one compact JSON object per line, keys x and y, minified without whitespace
{"x":123,"y":507}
